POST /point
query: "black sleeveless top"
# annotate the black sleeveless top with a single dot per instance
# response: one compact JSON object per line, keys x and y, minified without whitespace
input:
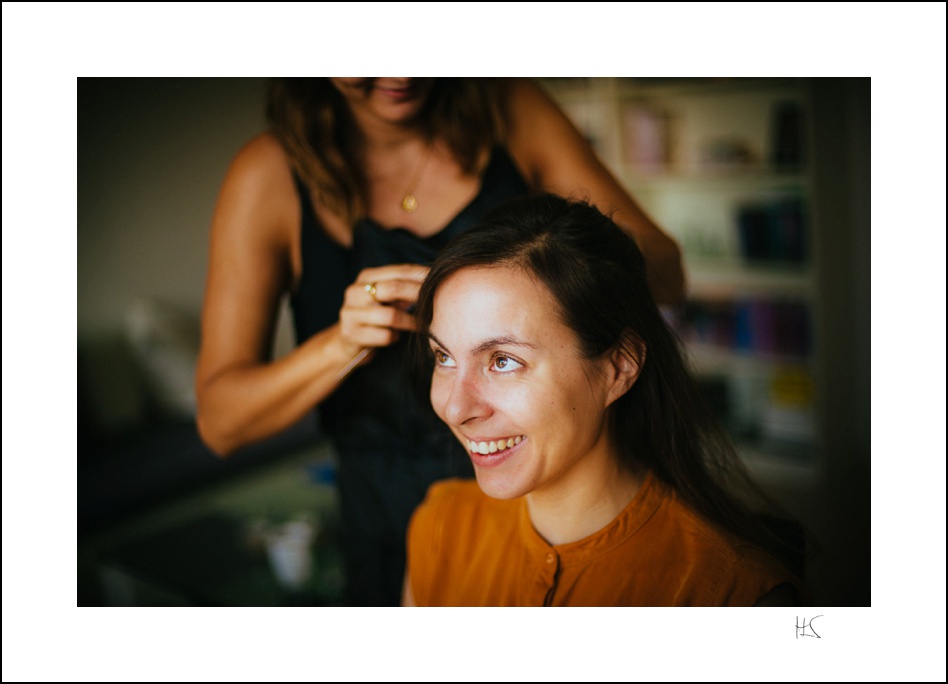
{"x":374,"y":410}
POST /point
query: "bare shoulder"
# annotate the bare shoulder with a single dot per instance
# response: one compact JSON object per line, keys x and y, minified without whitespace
{"x":261,"y":162}
{"x":258,"y":193}
{"x":263,"y":148}
{"x":525,"y":95}
{"x":547,"y":147}
{"x":526,"y":107}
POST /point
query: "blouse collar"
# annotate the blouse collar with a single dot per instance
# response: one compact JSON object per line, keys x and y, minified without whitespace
{"x":642,"y":506}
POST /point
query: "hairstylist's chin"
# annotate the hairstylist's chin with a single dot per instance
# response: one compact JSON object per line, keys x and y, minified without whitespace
{"x":400,"y":90}
{"x":390,"y":99}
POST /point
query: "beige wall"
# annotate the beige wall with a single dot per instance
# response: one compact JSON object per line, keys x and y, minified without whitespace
{"x":152,"y":153}
{"x":151,"y":156}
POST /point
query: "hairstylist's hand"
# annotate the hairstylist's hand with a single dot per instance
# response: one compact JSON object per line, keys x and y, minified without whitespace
{"x":375,"y":308}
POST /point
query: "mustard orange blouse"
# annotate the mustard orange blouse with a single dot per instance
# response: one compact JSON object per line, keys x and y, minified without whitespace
{"x":466,"y":549}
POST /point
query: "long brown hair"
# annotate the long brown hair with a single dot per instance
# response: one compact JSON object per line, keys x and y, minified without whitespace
{"x":312,"y":121}
{"x":596,"y":273}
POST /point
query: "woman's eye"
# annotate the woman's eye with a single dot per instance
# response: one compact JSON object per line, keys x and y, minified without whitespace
{"x":442,"y":359}
{"x":505,"y":364}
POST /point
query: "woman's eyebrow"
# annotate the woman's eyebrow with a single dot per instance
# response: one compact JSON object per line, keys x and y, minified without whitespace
{"x":432,"y":338}
{"x":502,"y":341}
{"x":487,"y":345}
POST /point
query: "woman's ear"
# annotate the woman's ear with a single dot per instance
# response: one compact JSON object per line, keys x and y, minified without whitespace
{"x":625,"y":364}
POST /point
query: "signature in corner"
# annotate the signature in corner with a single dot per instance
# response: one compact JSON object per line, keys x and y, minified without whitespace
{"x":803,"y":626}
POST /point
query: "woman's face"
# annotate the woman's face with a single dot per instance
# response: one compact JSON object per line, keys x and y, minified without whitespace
{"x":511,"y":383}
{"x":391,"y":100}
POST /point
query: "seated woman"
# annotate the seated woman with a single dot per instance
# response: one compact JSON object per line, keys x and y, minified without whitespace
{"x":600,"y":476}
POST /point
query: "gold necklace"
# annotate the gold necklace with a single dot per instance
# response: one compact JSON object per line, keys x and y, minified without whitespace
{"x":409,"y":201}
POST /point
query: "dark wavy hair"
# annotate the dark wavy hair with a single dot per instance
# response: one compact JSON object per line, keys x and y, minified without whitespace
{"x":312,"y":121}
{"x":596,"y":273}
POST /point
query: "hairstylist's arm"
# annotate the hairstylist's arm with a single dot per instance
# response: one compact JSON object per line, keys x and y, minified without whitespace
{"x":244,"y":397}
{"x":556,"y":158}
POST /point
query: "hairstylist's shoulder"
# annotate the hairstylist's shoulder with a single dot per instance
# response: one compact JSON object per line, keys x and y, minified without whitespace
{"x":258,"y":188}
{"x":525,"y":99}
{"x":540,"y":137}
{"x":260,"y":165}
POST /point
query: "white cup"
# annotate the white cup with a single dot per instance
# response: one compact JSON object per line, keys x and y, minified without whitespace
{"x":289,"y":548}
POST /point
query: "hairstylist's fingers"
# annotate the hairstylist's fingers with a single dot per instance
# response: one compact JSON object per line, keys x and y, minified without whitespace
{"x":392,"y":291}
{"x":412,"y":272}
{"x":375,"y":307}
{"x":373,"y":326}
{"x":367,"y":336}
{"x":385,"y":317}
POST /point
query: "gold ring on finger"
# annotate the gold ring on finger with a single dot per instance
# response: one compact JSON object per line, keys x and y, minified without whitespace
{"x":370,"y":290}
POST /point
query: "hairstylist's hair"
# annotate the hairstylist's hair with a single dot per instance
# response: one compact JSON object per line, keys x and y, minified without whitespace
{"x":596,"y":273}
{"x":312,"y":121}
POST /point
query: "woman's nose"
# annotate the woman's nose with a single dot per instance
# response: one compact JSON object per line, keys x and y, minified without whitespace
{"x":464,"y":399}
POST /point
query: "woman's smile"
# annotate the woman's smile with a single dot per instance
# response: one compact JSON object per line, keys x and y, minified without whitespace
{"x":491,"y":446}
{"x":493,"y":453}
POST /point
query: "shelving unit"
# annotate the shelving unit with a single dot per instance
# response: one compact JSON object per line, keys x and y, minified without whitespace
{"x":724,"y":165}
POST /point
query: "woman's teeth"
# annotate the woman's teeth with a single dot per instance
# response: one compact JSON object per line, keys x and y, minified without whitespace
{"x":493,"y":446}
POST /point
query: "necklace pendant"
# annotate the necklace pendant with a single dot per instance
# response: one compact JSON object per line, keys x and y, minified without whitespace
{"x":409,"y":203}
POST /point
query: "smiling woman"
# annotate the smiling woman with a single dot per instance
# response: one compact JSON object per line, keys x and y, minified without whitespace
{"x":519,"y":375}
{"x":600,"y":476}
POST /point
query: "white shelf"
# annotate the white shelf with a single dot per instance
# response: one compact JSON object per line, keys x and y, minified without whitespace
{"x":765,"y":178}
{"x":631,"y":88}
{"x":782,"y":464}
{"x":709,"y":358}
{"x":729,"y":279}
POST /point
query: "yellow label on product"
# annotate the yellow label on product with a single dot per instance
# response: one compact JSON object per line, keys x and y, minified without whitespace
{"x":791,"y":387}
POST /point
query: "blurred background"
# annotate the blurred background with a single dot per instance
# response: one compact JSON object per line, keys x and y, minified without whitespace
{"x":764,"y":182}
